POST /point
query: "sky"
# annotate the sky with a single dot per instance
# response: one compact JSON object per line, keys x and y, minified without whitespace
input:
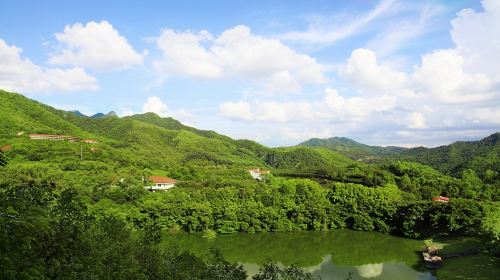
{"x":386,"y":72}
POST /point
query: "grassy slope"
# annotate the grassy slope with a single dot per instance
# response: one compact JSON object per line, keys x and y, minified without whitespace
{"x":145,"y":141}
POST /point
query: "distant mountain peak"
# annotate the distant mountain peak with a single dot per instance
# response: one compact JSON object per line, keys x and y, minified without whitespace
{"x":78,"y":113}
{"x":351,"y":148}
{"x":102,"y":115}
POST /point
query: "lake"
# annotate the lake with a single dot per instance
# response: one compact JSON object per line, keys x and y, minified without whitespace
{"x":331,"y":254}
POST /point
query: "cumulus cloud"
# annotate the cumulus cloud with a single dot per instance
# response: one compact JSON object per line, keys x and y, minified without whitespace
{"x":475,"y":34}
{"x":485,"y":115}
{"x":236,"y":53}
{"x":96,"y":45}
{"x":268,"y":111}
{"x":184,"y":54}
{"x":333,"y":106}
{"x":441,"y":75}
{"x":416,"y":120}
{"x":368,"y":75}
{"x":21,"y":74}
{"x":155,"y":105}
{"x":357,"y":108}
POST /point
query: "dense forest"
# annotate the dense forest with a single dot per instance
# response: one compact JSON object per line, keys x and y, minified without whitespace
{"x":482,"y":157}
{"x":77,"y":210}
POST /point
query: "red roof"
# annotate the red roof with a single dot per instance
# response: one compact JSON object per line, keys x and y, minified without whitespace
{"x":162,"y":180}
{"x":440,"y":198}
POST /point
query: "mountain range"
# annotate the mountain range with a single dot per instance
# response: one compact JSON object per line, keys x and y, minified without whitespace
{"x":450,"y":159}
{"x":143,"y":141}
{"x":351,"y":148}
{"x":150,"y":141}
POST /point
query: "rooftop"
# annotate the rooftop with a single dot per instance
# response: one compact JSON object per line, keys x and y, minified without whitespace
{"x":162,"y":180}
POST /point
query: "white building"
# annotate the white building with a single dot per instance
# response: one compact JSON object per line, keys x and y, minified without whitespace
{"x":47,"y":137}
{"x":257,"y":173}
{"x":161,"y":183}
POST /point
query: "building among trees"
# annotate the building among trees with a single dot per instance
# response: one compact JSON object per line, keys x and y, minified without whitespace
{"x":440,"y":199}
{"x":160,"y":183}
{"x":47,"y":137}
{"x":257,"y":173}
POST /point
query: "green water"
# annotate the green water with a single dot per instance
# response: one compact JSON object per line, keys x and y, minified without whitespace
{"x":331,"y":254}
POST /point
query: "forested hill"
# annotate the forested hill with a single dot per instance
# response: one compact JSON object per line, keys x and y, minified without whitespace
{"x":483,"y":157}
{"x":143,"y":141}
{"x":87,"y":199}
{"x":351,"y":148}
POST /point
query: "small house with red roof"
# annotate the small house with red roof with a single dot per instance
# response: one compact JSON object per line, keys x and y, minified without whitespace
{"x":161,"y":183}
{"x":441,"y":199}
{"x":257,"y":173}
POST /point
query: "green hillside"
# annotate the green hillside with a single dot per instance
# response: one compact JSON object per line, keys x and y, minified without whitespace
{"x":351,"y":148}
{"x":144,"y":142}
{"x":75,"y":195}
{"x":475,"y":158}
{"x":21,"y":114}
{"x":482,"y":157}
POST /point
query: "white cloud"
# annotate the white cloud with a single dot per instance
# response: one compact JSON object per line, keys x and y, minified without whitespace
{"x":416,"y":120}
{"x":449,"y":94}
{"x":20,"y":74}
{"x":184,"y":54}
{"x":441,"y":75}
{"x":366,"y":74}
{"x":399,"y":32}
{"x":357,"y":108}
{"x":476,"y":36}
{"x":302,"y":134}
{"x":334,"y":106}
{"x":485,"y":115}
{"x":125,"y":112}
{"x":320,"y":32}
{"x":236,"y":53}
{"x":241,"y":111}
{"x":268,"y":111}
{"x":95,"y":45}
{"x":155,"y":105}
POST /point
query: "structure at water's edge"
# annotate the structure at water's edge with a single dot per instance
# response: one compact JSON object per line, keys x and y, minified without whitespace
{"x":431,"y":258}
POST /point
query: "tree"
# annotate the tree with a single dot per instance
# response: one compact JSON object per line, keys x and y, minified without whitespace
{"x":3,"y":159}
{"x":270,"y":271}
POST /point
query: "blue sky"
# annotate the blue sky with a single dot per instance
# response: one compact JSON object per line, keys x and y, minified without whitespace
{"x":387,"y":72}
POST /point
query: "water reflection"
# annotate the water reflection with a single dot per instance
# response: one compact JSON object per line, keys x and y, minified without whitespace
{"x":370,"y":270}
{"x":330,"y":255}
{"x":329,"y":271}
